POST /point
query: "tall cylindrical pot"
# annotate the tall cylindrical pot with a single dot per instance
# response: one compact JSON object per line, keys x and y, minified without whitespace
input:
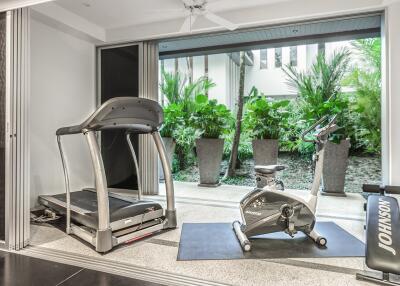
{"x":334,"y":168}
{"x":209,"y":155}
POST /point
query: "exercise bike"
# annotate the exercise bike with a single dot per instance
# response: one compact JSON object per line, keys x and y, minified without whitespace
{"x":271,"y":209}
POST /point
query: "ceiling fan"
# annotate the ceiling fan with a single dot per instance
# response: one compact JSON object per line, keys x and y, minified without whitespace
{"x":199,"y":8}
{"x":196,"y":8}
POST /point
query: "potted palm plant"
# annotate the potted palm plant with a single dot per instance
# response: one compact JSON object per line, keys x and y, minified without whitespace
{"x":264,"y":120}
{"x":177,"y":90}
{"x":212,"y":120}
{"x":319,"y":94}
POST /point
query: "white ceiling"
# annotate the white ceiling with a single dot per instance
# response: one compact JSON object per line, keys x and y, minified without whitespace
{"x":121,"y":13}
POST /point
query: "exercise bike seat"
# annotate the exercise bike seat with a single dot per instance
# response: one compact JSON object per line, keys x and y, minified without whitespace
{"x":268,"y":169}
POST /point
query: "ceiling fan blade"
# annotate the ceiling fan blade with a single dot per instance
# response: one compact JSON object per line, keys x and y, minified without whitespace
{"x":220,"y":21}
{"x":187,"y":24}
{"x":159,"y":11}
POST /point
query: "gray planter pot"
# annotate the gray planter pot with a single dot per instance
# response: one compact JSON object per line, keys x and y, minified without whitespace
{"x":209,"y":155}
{"x":169,"y":144}
{"x":265,"y":151}
{"x":335,"y":166}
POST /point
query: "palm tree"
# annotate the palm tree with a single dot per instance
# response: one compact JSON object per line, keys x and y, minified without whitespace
{"x":319,"y":89}
{"x":177,"y":90}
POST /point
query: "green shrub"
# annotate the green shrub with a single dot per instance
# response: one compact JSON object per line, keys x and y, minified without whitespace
{"x":366,"y":79}
{"x":185,"y":137}
{"x":265,"y":119}
{"x":245,"y":150}
{"x":174,"y":116}
{"x":210,"y":118}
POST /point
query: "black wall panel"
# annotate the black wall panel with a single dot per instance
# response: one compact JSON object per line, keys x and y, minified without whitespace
{"x":119,"y":77}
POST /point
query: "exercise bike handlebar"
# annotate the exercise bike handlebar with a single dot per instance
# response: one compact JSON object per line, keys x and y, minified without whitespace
{"x":329,"y":128}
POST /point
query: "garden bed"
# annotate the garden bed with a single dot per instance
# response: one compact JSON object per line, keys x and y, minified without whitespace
{"x":298,"y":175}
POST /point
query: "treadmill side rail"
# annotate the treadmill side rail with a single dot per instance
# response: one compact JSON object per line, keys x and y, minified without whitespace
{"x":83,"y":234}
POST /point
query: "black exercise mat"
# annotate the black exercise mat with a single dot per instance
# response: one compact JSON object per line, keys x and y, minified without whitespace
{"x":210,"y":241}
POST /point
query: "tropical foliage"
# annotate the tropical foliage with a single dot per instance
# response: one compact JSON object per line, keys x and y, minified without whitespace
{"x":320,"y":93}
{"x":174,"y":117}
{"x":319,"y":88}
{"x":180,"y":95}
{"x":245,"y":150}
{"x":366,"y":101}
{"x":264,"y":118}
{"x":210,"y":118}
{"x":177,"y":90}
{"x":190,"y":114}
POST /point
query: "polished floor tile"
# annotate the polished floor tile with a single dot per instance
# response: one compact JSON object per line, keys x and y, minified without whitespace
{"x":90,"y":277}
{"x":20,"y":270}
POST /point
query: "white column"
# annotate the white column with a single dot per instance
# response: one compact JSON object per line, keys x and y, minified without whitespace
{"x":148,"y":156}
{"x":17,"y":104}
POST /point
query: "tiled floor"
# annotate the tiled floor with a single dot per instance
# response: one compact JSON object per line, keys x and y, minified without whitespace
{"x":194,"y":204}
{"x":20,"y":270}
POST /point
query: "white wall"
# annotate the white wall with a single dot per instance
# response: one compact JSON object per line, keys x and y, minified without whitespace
{"x":62,"y":94}
{"x":393,"y":71}
{"x":271,"y":81}
{"x":217,"y":72}
{"x":198,"y":67}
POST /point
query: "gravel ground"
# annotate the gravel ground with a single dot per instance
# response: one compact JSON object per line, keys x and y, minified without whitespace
{"x":361,"y":169}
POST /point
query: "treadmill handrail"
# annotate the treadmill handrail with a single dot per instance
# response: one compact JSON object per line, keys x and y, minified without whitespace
{"x":138,"y":115}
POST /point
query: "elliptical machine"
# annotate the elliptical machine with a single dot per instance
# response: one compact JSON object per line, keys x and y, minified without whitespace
{"x":270,"y":209}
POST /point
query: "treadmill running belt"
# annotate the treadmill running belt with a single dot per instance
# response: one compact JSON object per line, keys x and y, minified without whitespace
{"x":88,"y":200}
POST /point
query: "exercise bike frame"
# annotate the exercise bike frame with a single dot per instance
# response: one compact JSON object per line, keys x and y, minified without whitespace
{"x":259,"y":219}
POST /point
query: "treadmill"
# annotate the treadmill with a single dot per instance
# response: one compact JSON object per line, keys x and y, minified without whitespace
{"x":99,"y":215}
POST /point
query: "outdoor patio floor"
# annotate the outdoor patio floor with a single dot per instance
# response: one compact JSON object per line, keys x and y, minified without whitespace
{"x":220,"y":204}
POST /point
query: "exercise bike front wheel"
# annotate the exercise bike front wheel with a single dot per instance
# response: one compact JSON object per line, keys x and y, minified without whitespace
{"x":243,"y":240}
{"x":322,"y":241}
